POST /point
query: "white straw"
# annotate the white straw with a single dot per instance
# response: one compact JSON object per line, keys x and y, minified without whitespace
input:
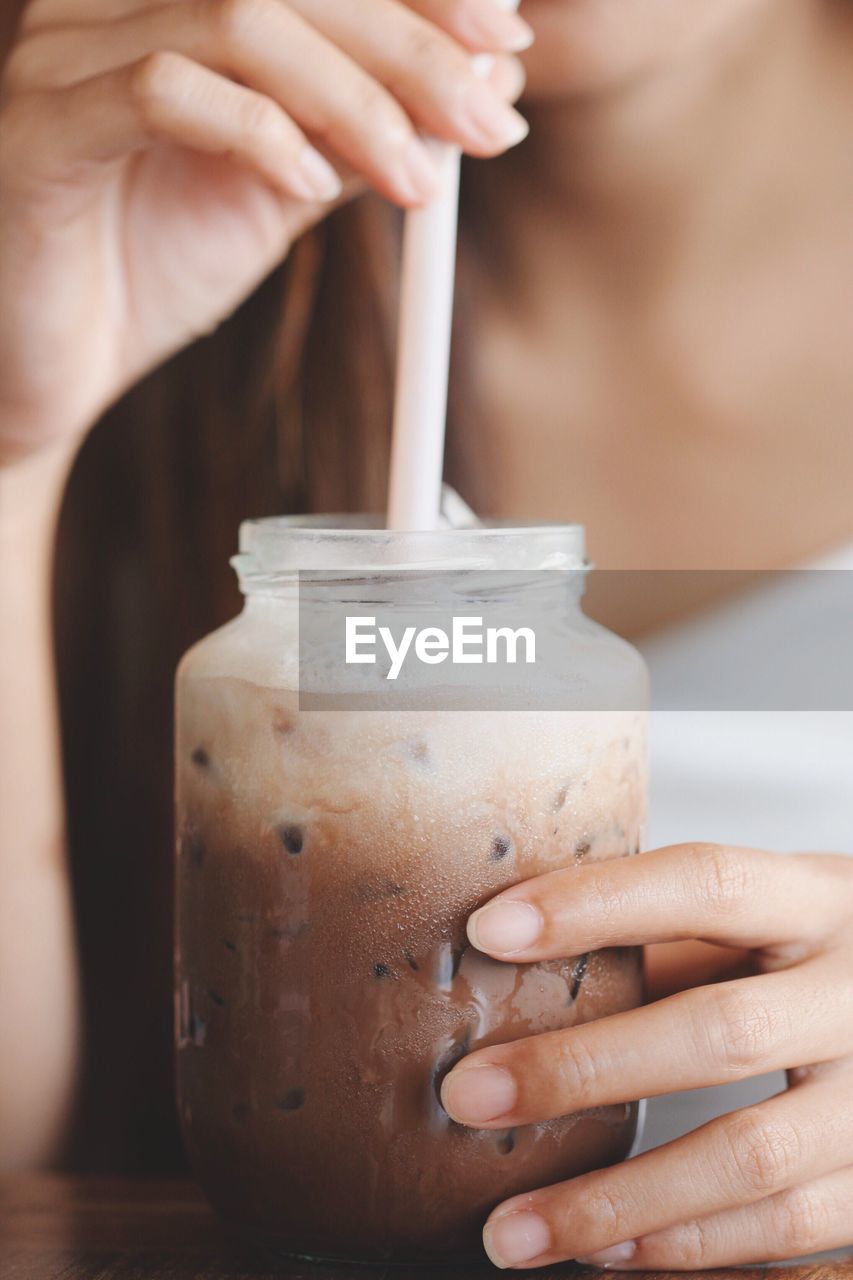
{"x":423,"y":351}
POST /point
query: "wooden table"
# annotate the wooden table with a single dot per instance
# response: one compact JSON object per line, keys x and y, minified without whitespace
{"x":54,"y":1228}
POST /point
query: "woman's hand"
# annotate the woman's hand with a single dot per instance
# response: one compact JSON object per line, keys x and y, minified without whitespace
{"x":157,"y":160}
{"x":768,"y":1182}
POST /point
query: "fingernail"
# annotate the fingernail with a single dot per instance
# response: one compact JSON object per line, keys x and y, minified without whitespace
{"x":315,"y":177}
{"x":519,"y":1237}
{"x":419,"y":173}
{"x":504,"y":927}
{"x":491,"y":121}
{"x":612,"y":1257}
{"x":498,"y":29}
{"x":473,"y":1095}
{"x":508,"y":78}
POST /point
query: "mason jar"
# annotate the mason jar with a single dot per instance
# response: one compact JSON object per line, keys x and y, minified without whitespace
{"x":332,"y":839}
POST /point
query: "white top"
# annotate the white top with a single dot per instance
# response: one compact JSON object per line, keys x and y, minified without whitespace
{"x":779,"y":780}
{"x":774,"y":779}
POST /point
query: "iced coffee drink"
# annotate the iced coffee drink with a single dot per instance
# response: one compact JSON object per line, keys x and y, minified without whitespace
{"x":327,"y":864}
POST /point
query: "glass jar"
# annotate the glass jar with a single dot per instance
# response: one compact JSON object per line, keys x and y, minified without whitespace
{"x":328,"y":860}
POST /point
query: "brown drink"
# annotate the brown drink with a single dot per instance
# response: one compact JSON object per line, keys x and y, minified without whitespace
{"x":327,"y":863}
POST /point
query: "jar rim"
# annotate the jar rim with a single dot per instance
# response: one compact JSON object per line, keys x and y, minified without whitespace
{"x":282,"y":546}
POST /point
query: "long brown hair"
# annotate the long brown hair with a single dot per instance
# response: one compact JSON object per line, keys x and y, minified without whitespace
{"x":286,"y":407}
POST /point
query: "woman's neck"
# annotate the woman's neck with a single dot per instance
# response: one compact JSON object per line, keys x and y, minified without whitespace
{"x":662,"y":350}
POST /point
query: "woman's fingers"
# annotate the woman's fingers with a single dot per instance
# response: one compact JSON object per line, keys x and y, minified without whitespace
{"x":734,"y":1161}
{"x":272,"y":50}
{"x":804,"y":1219}
{"x":427,"y":71}
{"x":481,"y":25}
{"x":506,"y":76}
{"x":166,"y":96}
{"x":52,"y":58}
{"x":708,"y":1036}
{"x":740,"y":897}
{"x":336,"y":94}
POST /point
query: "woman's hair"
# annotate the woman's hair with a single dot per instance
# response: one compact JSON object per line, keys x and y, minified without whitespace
{"x":286,"y":408}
